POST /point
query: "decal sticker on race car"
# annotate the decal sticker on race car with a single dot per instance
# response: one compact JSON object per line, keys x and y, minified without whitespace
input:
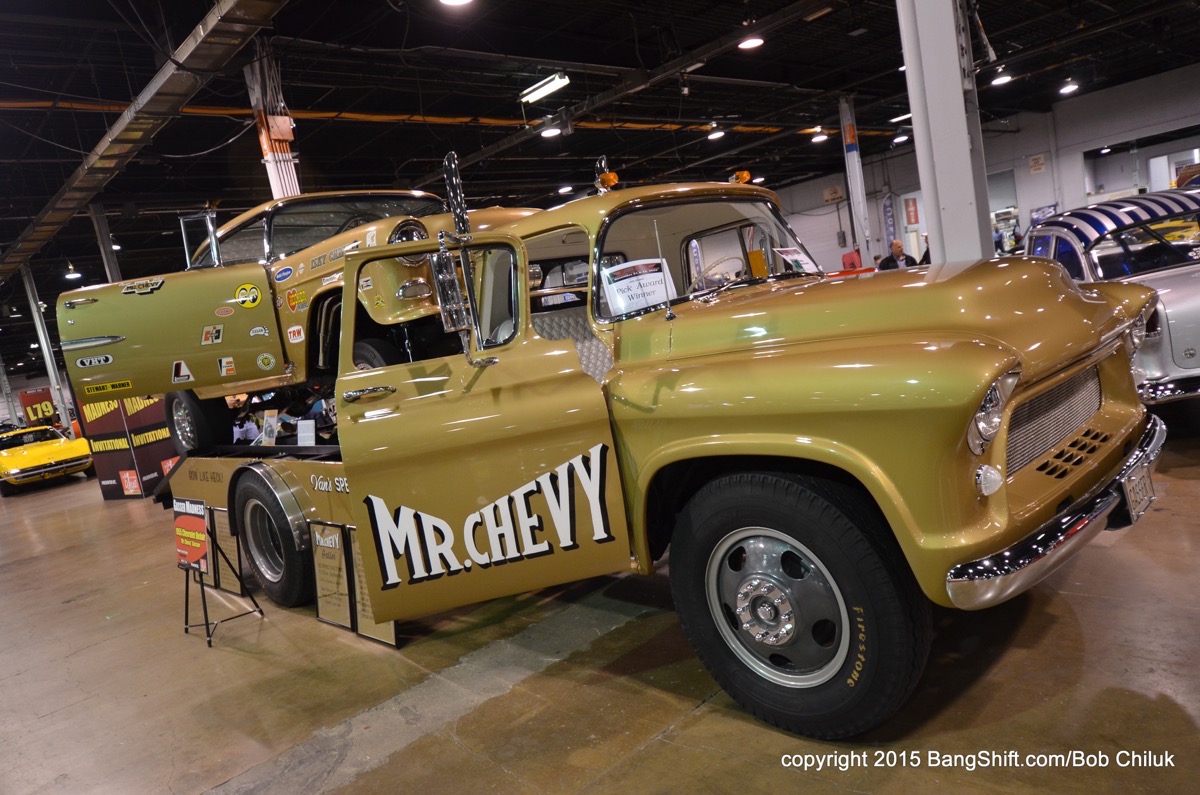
{"x":379,"y":304}
{"x":260,"y":331}
{"x":506,"y":531}
{"x":283,"y":274}
{"x":266,"y":361}
{"x":111,"y":386}
{"x":180,"y":374}
{"x":297,"y":299}
{"x":225,"y":366}
{"x":93,"y":361}
{"x":141,"y":286}
{"x":211,"y":335}
{"x":295,"y":333}
{"x":317,"y":262}
{"x":371,"y":237}
{"x":224,"y":311}
{"x":365,"y":283}
{"x":247,"y":296}
{"x":330,"y":279}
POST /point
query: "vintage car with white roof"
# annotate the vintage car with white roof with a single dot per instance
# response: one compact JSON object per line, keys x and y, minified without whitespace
{"x":1151,"y":239}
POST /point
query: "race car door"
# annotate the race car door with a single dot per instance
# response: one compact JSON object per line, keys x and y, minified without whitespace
{"x":474,"y":475}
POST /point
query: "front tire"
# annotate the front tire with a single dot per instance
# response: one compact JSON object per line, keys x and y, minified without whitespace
{"x":197,"y":424}
{"x":284,"y":571}
{"x":799,"y":602}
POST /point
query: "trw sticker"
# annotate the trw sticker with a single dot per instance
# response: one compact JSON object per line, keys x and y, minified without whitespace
{"x":295,"y":333}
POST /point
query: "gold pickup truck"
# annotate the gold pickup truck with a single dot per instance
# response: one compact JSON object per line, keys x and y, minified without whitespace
{"x":664,"y":370}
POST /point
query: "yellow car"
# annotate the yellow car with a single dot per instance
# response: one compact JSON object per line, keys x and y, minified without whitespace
{"x":30,"y":455}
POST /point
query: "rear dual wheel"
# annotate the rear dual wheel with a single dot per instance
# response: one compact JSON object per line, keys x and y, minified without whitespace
{"x":799,"y":603}
{"x":283,"y":569}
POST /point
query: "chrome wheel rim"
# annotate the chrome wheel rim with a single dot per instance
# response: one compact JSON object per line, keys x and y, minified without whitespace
{"x":262,"y":537}
{"x":777,"y":607}
{"x":185,"y":424}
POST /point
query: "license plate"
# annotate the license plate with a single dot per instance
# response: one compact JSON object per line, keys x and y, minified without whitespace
{"x":1139,"y":491}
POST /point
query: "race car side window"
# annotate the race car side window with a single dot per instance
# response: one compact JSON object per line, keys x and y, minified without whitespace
{"x":1068,"y":256}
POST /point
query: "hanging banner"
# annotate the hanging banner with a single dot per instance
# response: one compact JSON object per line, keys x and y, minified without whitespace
{"x":38,"y":406}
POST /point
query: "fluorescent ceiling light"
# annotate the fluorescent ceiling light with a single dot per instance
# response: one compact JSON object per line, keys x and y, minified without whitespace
{"x":901,"y":118}
{"x":546,"y":87}
{"x":818,"y":14}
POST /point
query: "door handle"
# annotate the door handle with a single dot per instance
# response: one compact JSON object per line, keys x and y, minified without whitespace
{"x":74,"y":302}
{"x":354,"y":395}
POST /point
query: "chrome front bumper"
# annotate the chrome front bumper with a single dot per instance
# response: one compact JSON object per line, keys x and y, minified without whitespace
{"x":989,"y":581}
{"x":1167,"y":389}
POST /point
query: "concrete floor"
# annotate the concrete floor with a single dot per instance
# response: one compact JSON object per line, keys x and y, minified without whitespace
{"x":590,"y":688}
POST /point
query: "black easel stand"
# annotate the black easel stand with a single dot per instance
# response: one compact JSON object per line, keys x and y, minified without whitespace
{"x":210,"y":627}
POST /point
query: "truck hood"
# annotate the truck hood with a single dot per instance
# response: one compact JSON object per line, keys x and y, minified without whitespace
{"x":1028,"y":306}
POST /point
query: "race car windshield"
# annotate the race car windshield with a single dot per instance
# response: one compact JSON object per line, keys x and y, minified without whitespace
{"x":33,"y":436}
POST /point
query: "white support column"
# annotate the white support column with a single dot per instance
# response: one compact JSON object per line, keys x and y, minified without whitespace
{"x":14,"y":414}
{"x":941,"y":95}
{"x":39,"y":323}
{"x":854,"y":178}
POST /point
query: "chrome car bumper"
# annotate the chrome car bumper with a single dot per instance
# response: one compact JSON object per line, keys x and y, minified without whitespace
{"x":21,"y":477}
{"x":1168,"y":389}
{"x":989,"y":581}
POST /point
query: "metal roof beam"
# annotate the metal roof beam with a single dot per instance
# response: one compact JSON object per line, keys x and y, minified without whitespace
{"x":207,"y":49}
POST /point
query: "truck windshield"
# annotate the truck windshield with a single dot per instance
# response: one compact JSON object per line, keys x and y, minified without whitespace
{"x":663,"y":253}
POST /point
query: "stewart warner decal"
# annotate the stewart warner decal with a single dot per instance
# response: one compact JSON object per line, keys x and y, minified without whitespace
{"x":506,"y":531}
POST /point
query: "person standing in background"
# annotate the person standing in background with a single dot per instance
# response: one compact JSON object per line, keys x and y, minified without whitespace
{"x":897,"y":259}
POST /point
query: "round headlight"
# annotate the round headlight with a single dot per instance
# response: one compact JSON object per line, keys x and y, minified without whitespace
{"x":1137,"y":334}
{"x":409,"y":231}
{"x":990,"y":415}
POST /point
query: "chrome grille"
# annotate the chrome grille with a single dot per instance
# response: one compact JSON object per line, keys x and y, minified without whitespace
{"x":1052,"y":416}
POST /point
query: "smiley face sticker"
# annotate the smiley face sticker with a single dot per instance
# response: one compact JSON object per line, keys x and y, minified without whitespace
{"x":247,"y":295}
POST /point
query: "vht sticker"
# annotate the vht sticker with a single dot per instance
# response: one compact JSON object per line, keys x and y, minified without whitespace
{"x":504,"y":532}
{"x":93,"y":361}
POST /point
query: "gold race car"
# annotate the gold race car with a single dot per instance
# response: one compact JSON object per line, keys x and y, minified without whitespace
{"x":31,"y":455}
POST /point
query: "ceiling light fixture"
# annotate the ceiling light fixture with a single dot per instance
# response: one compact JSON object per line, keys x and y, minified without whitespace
{"x":903,"y":68}
{"x":750,"y":42}
{"x":1001,"y":77}
{"x":72,"y":273}
{"x":454,"y":2}
{"x":715,"y":134}
{"x":565,"y":189}
{"x":1070,"y":87}
{"x":549,"y":131}
{"x":819,"y":136}
{"x":1106,"y":150}
{"x":899,"y":119}
{"x":759,"y":180}
{"x":545,"y":87}
{"x":113,"y":242}
{"x":901,"y":137}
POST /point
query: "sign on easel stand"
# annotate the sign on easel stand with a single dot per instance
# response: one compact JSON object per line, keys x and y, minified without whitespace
{"x":193,"y":541}
{"x":191,"y":535}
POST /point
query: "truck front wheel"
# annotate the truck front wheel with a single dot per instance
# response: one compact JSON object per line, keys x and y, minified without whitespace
{"x":284,"y":571}
{"x":197,"y":424}
{"x":798,"y":604}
